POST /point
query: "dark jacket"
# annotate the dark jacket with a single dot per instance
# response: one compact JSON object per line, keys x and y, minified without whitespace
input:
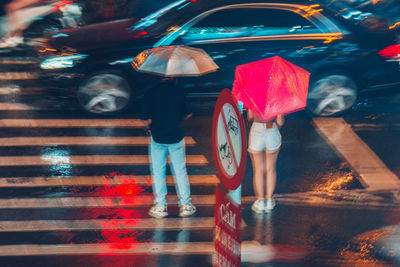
{"x":165,"y":105}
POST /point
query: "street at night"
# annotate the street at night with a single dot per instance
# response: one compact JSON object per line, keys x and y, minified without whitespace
{"x":76,"y":186}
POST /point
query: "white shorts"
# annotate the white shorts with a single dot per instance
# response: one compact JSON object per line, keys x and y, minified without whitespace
{"x":262,"y":138}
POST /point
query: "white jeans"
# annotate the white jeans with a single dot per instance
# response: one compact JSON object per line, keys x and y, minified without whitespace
{"x":158,"y":157}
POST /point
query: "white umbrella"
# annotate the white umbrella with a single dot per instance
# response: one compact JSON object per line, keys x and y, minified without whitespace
{"x":174,"y":61}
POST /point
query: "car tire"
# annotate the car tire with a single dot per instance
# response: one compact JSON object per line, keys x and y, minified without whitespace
{"x":331,"y":94}
{"x":104,"y":93}
{"x":42,"y":28}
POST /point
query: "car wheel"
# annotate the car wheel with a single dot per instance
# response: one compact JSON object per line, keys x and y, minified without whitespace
{"x":331,"y":94}
{"x":42,"y":28}
{"x":104,"y":93}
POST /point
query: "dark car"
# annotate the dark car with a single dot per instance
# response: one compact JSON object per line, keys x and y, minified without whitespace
{"x":342,"y":52}
{"x":388,"y":10}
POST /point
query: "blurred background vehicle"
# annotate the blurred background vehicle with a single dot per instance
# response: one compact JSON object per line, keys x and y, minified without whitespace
{"x":344,"y":52}
{"x":43,"y":18}
{"x":388,"y":10}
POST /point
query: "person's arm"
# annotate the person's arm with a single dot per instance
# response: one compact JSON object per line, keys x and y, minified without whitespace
{"x":250,"y":115}
{"x":145,"y":114}
{"x":280,"y":121}
{"x":187,"y":114}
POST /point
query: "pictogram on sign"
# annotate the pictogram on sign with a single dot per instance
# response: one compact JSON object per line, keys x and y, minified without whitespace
{"x":229,"y":141}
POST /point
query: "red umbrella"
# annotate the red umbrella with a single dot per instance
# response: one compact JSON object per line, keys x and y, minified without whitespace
{"x":271,"y":86}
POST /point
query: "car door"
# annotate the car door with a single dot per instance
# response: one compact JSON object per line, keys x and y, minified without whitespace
{"x":238,"y":34}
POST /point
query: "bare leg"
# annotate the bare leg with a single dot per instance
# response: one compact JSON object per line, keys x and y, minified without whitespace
{"x":257,"y":159}
{"x":270,"y":163}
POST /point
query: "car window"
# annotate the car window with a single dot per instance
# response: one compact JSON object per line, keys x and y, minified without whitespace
{"x":248,"y":22}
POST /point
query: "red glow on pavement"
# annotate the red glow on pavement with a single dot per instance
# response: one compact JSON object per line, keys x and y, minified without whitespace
{"x":289,"y":254}
{"x":127,"y":188}
{"x":392,"y":51}
{"x":115,"y":234}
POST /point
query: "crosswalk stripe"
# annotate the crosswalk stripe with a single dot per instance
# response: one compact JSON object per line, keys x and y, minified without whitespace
{"x":19,"y":91}
{"x":82,"y":141}
{"x":193,"y":223}
{"x":326,"y":202}
{"x":49,"y":160}
{"x":97,"y":181}
{"x":374,"y":126}
{"x":149,"y":248}
{"x":15,"y":106}
{"x":373,"y":172}
{"x":97,"y":202}
{"x":66,"y":123}
{"x":18,"y":76}
{"x":17,"y":61}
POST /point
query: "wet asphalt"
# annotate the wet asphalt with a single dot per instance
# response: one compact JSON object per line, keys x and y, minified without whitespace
{"x":325,"y":216}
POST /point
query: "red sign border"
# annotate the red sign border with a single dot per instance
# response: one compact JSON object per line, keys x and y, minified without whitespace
{"x":229,"y":182}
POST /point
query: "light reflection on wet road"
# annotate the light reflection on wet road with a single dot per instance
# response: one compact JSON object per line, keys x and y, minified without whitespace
{"x":81,"y":213}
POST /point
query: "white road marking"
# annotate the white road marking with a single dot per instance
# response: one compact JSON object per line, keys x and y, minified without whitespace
{"x":81,"y":141}
{"x":8,"y":61}
{"x":18,"y":76}
{"x":374,"y":126}
{"x":374,"y":173}
{"x":96,"y":202}
{"x":150,"y":248}
{"x":68,"y":123}
{"x":166,"y":224}
{"x":16,"y":106}
{"x":20,"y":91}
{"x":65,"y":160}
{"x":18,"y":182}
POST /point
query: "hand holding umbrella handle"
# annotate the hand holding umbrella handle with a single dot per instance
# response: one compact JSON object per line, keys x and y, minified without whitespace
{"x":280,"y":121}
{"x":146,"y":126}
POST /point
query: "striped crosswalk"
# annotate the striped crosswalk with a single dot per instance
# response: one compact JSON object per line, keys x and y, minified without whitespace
{"x":86,"y":202}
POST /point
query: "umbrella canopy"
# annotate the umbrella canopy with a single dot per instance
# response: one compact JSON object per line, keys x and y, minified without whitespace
{"x":174,"y":61}
{"x":271,"y":87}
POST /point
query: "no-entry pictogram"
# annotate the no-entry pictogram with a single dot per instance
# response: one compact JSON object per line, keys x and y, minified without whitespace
{"x":229,"y":141}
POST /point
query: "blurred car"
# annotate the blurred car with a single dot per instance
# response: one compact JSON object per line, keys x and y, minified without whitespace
{"x":43,"y":18}
{"x":388,"y":10}
{"x":341,"y":50}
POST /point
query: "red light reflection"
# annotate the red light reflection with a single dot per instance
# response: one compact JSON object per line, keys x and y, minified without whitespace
{"x":392,"y":51}
{"x":60,"y":4}
{"x":117,"y":230}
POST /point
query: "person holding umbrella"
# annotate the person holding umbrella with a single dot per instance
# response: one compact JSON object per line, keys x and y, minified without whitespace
{"x":163,"y":111}
{"x":269,"y":89}
{"x":264,"y":144}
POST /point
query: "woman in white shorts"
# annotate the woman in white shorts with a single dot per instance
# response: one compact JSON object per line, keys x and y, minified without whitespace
{"x":264,"y":144}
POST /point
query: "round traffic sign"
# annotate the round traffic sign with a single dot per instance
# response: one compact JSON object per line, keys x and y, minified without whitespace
{"x":229,"y":141}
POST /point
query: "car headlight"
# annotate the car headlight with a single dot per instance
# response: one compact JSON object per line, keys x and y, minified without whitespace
{"x":61,"y":62}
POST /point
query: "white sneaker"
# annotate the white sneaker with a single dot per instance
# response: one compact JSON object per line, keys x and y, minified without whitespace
{"x":187,"y":210}
{"x":258,"y":206}
{"x":158,"y":211}
{"x":270,"y":204}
